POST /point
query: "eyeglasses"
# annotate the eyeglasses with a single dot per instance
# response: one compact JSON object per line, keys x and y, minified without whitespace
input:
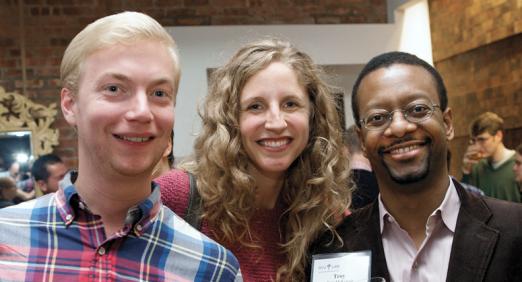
{"x":414,"y":113}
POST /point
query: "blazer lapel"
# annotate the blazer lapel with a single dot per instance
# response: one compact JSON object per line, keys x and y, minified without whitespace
{"x":473,"y":242}
{"x":368,"y":231}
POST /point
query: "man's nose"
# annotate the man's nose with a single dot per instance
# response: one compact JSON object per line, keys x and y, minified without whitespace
{"x":139,"y":108}
{"x":399,"y":125}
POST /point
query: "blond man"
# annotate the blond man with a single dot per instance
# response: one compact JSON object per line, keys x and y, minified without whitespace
{"x":120,"y":77}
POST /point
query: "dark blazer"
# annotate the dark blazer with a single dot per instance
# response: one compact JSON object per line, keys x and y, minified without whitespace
{"x":487,"y":245}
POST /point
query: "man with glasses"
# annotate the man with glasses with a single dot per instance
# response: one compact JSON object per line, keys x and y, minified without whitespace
{"x":423,"y":226}
{"x":487,"y":163}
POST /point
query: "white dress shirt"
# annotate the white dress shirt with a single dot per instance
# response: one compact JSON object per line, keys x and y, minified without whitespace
{"x":430,"y":262}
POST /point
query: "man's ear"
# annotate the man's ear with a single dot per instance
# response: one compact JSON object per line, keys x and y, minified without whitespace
{"x":499,"y":135}
{"x":68,"y":104}
{"x":447,"y":116}
{"x":42,"y":186}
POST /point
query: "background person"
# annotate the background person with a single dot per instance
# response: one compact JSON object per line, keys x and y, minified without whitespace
{"x":8,"y":191}
{"x":268,"y":164}
{"x":13,"y":171}
{"x":47,"y":171}
{"x":23,"y":182}
{"x":466,"y":186}
{"x":487,"y":163}
{"x":517,"y":167}
{"x":366,"y":188}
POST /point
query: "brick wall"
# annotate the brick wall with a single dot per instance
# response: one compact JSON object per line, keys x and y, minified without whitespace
{"x":460,"y":26}
{"x":477,"y":47}
{"x":47,"y":26}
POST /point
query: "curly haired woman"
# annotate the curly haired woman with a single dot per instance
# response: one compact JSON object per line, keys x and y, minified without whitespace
{"x":268,"y":161}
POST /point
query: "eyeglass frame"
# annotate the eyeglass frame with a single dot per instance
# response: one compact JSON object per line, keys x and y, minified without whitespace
{"x":389,"y":116}
{"x":481,"y":140}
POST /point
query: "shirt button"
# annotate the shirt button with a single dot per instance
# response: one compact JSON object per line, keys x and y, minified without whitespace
{"x":68,"y":217}
{"x":101,"y":251}
{"x":138,"y":227}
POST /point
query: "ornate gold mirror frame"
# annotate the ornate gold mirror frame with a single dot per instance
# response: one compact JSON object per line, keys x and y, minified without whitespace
{"x":19,"y":113}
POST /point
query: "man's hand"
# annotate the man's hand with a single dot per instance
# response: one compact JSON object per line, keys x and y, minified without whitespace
{"x":472,"y":156}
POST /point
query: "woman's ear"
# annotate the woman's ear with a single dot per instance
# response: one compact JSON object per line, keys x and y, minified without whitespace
{"x":68,"y":105}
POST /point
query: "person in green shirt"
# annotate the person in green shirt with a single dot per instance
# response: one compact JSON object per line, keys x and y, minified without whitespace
{"x":487,"y":163}
{"x":517,"y":167}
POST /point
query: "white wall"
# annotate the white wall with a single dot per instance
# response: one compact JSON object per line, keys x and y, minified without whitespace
{"x":413,"y":21}
{"x":206,"y":47}
{"x":343,"y":77}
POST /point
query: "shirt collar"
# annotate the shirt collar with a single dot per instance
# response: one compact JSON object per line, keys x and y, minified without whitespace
{"x":383,"y":212}
{"x":138,"y":217}
{"x":448,"y":209}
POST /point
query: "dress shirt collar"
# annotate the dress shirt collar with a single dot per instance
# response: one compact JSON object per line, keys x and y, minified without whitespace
{"x":448,"y":209}
{"x":139,"y":217}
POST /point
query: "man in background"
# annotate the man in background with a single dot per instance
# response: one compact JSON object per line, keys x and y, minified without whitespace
{"x":487,"y":163}
{"x":23,"y":181}
{"x":517,"y":167}
{"x":8,"y":191}
{"x":47,"y":171}
{"x":13,"y":171}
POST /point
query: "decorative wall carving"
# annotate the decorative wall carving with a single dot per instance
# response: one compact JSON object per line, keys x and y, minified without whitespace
{"x":19,"y":113}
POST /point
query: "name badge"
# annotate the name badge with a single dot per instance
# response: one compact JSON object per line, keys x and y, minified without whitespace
{"x":341,"y":267}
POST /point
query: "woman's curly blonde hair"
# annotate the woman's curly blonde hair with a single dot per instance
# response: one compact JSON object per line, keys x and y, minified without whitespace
{"x":315,"y":192}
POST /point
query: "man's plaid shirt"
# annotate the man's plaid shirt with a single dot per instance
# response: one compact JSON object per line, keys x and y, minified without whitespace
{"x":57,"y":238}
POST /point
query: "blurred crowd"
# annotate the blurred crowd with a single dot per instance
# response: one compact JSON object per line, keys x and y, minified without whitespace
{"x":22,"y":182}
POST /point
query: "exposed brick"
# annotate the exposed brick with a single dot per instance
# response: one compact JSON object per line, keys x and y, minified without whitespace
{"x":489,"y":79}
{"x":14,"y":52}
{"x":33,"y":2}
{"x":56,"y":11}
{"x":6,"y":42}
{"x":477,"y":47}
{"x":184,"y":20}
{"x":61,"y":2}
{"x":72,"y":11}
{"x":473,"y":24}
{"x":30,"y":83}
{"x":228,"y":3}
{"x":304,"y":2}
{"x":54,"y":82}
{"x":327,"y":20}
{"x":35,"y":11}
{"x":236,"y":11}
{"x":235,"y":20}
{"x":169,"y":3}
{"x":180,"y":12}
{"x":195,"y":2}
